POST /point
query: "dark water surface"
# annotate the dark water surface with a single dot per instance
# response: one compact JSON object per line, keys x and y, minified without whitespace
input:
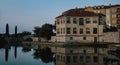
{"x":17,"y":56}
{"x":68,"y":54}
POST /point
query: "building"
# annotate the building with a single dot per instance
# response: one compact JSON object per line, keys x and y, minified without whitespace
{"x":78,"y":25}
{"x":112,"y":13}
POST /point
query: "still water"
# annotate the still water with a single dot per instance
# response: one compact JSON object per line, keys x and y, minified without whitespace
{"x":17,"y":56}
{"x":29,"y":54}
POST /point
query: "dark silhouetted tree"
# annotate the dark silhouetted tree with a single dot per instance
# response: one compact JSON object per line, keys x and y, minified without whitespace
{"x":37,"y":31}
{"x":7,"y":29}
{"x":46,"y":31}
{"x":15,"y":31}
{"x":26,"y":33}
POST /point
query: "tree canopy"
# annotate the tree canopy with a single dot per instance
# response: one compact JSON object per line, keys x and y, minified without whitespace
{"x":46,"y":31}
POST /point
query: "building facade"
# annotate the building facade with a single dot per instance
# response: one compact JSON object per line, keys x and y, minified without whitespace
{"x":112,"y":13}
{"x":78,"y":25}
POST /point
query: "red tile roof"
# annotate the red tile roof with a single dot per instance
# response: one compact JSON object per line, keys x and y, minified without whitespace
{"x":78,"y":13}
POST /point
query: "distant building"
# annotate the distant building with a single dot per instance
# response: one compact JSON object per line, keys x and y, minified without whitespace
{"x":112,"y":13}
{"x":78,"y":25}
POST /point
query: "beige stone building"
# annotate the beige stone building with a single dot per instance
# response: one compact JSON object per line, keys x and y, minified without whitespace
{"x":78,"y":25}
{"x":112,"y":13}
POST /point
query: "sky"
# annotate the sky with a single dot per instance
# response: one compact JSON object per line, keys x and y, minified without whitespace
{"x":27,"y":14}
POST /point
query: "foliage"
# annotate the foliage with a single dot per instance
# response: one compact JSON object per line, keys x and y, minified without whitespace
{"x":37,"y":31}
{"x":26,"y":33}
{"x":46,"y":31}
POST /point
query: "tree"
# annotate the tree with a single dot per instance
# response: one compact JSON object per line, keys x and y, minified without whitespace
{"x":7,"y":29}
{"x":37,"y":31}
{"x":26,"y":33}
{"x":15,"y":30}
{"x":46,"y":31}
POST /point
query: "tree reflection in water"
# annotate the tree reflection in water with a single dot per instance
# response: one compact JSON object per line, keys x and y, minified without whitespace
{"x":45,"y":55}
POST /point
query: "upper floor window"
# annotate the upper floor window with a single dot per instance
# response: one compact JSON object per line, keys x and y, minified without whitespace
{"x":81,"y":30}
{"x":94,"y":20}
{"x":74,"y":21}
{"x":94,"y":30}
{"x":57,"y":21}
{"x":118,"y":9}
{"x":87,"y":30}
{"x":74,"y":30}
{"x":68,"y":19}
{"x":68,"y":30}
{"x":81,"y":21}
{"x":87,"y":20}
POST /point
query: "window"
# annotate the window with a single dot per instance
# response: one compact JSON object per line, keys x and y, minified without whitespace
{"x":58,"y":31}
{"x":71,"y":38}
{"x":74,"y":59}
{"x":61,"y":30}
{"x":87,"y":58}
{"x":84,"y":38}
{"x":68,"y":30}
{"x":118,"y":21}
{"x":68,"y":59}
{"x":58,"y":21}
{"x":74,"y":31}
{"x":68,"y":19}
{"x":94,"y":20}
{"x":81,"y":58}
{"x":95,"y":59}
{"x":81,"y":30}
{"x":58,"y":57}
{"x":94,"y":30}
{"x":118,"y":15}
{"x":87,"y":30}
{"x":74,"y":21}
{"x":81,"y":21}
{"x":87,"y":20}
{"x":118,"y":9}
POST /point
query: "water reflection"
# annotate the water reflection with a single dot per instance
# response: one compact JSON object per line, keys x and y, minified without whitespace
{"x":66,"y":54}
{"x":45,"y":55}
{"x":15,"y":52}
{"x":86,"y":55}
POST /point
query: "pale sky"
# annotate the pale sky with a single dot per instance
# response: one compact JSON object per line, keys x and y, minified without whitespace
{"x":27,"y":14}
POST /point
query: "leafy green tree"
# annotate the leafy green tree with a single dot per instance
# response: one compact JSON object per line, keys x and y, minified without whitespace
{"x":46,"y":31}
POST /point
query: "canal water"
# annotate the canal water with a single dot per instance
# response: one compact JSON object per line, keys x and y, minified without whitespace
{"x":19,"y":56}
{"x":60,"y":55}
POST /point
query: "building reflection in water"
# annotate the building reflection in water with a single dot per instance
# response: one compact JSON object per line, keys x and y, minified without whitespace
{"x":85,"y":55}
